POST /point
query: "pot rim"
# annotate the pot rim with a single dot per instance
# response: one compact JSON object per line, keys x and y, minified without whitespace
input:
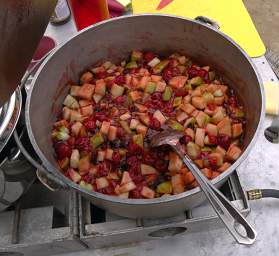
{"x":113,"y":199}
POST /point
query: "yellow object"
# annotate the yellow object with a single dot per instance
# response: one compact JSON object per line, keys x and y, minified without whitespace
{"x":124,"y":2}
{"x":271,"y":97}
{"x":232,"y":16}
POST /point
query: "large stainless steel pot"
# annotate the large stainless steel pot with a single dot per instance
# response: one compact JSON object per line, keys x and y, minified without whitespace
{"x":114,"y":40}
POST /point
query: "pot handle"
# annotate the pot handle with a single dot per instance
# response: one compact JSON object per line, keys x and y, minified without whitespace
{"x":208,"y":21}
{"x":48,"y":179}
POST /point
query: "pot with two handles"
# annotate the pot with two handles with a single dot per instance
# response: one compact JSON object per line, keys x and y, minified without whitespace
{"x":114,"y":40}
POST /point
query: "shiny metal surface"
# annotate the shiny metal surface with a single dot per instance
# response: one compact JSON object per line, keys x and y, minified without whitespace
{"x":226,"y":211}
{"x":22,"y":24}
{"x":9,"y":115}
{"x":98,"y":43}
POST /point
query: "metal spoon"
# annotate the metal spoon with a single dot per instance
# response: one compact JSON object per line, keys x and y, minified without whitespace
{"x":272,"y":132}
{"x":230,"y":216}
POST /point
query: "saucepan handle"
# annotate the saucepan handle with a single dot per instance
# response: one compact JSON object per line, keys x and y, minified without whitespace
{"x":208,"y":21}
{"x":47,"y":178}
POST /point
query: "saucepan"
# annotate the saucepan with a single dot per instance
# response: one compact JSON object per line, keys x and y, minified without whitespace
{"x":114,"y":40}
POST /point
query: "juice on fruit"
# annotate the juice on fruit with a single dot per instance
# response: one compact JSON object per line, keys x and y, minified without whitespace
{"x":88,"y":12}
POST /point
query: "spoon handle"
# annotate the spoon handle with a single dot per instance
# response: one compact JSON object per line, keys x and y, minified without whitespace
{"x":230,"y":216}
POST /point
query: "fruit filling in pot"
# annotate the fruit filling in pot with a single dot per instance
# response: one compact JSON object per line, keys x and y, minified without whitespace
{"x":101,"y":137}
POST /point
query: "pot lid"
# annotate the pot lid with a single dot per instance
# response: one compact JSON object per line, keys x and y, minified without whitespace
{"x":9,"y":115}
{"x":22,"y":25}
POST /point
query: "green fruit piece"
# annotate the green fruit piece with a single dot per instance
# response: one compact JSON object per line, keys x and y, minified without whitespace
{"x":188,"y":86}
{"x":218,"y":93}
{"x":85,"y":185}
{"x":96,"y":140}
{"x":208,"y":97}
{"x":150,"y":88}
{"x":125,"y":126}
{"x":190,"y":121}
{"x":167,"y":94}
{"x":177,"y":101}
{"x":116,"y":90}
{"x":70,"y":102}
{"x":211,"y":75}
{"x":196,"y":80}
{"x":136,"y":55}
{"x":164,"y":188}
{"x":239,"y":113}
{"x":193,"y":150}
{"x":207,"y":120}
{"x":138,"y":139}
{"x":60,"y":135}
{"x":206,"y":149}
{"x":153,"y":62}
{"x":159,"y":67}
{"x":131,"y":64}
{"x":64,"y":129}
{"x":177,"y":126}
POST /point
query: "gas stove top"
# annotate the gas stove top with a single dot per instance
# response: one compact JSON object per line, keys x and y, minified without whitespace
{"x":46,"y":223}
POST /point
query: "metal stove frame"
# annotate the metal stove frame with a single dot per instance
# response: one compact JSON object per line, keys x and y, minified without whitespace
{"x":116,"y":230}
{"x":34,"y":231}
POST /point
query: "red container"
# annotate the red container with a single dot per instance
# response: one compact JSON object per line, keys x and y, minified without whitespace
{"x":88,"y":12}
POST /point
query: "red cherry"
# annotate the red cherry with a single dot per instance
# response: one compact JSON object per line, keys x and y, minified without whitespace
{"x":101,"y":75}
{"x":136,"y":175}
{"x":83,"y":144}
{"x":110,"y":83}
{"x":192,"y":72}
{"x":156,"y":96}
{"x":71,"y":141}
{"x":211,"y":106}
{"x":167,"y":74}
{"x":136,"y":193}
{"x":120,"y":80}
{"x":148,"y":159}
{"x":170,"y":72}
{"x":134,"y":70}
{"x":134,"y":149}
{"x":223,"y":141}
{"x":103,"y":169}
{"x":101,"y":116}
{"x":180,"y":93}
{"x":212,"y":139}
{"x":185,"y":139}
{"x":132,"y":160}
{"x":204,"y":155}
{"x":116,"y":157}
{"x":233,"y":101}
{"x":172,"y":63}
{"x":213,"y":163}
{"x":90,"y":125}
{"x":63,"y":150}
{"x":155,"y":124}
{"x":202,"y":73}
{"x":148,"y":56}
{"x":161,"y":165}
{"x":120,"y":132}
{"x":119,"y":100}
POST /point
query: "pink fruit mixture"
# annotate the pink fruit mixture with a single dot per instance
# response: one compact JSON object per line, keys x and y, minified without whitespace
{"x":101,"y":138}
